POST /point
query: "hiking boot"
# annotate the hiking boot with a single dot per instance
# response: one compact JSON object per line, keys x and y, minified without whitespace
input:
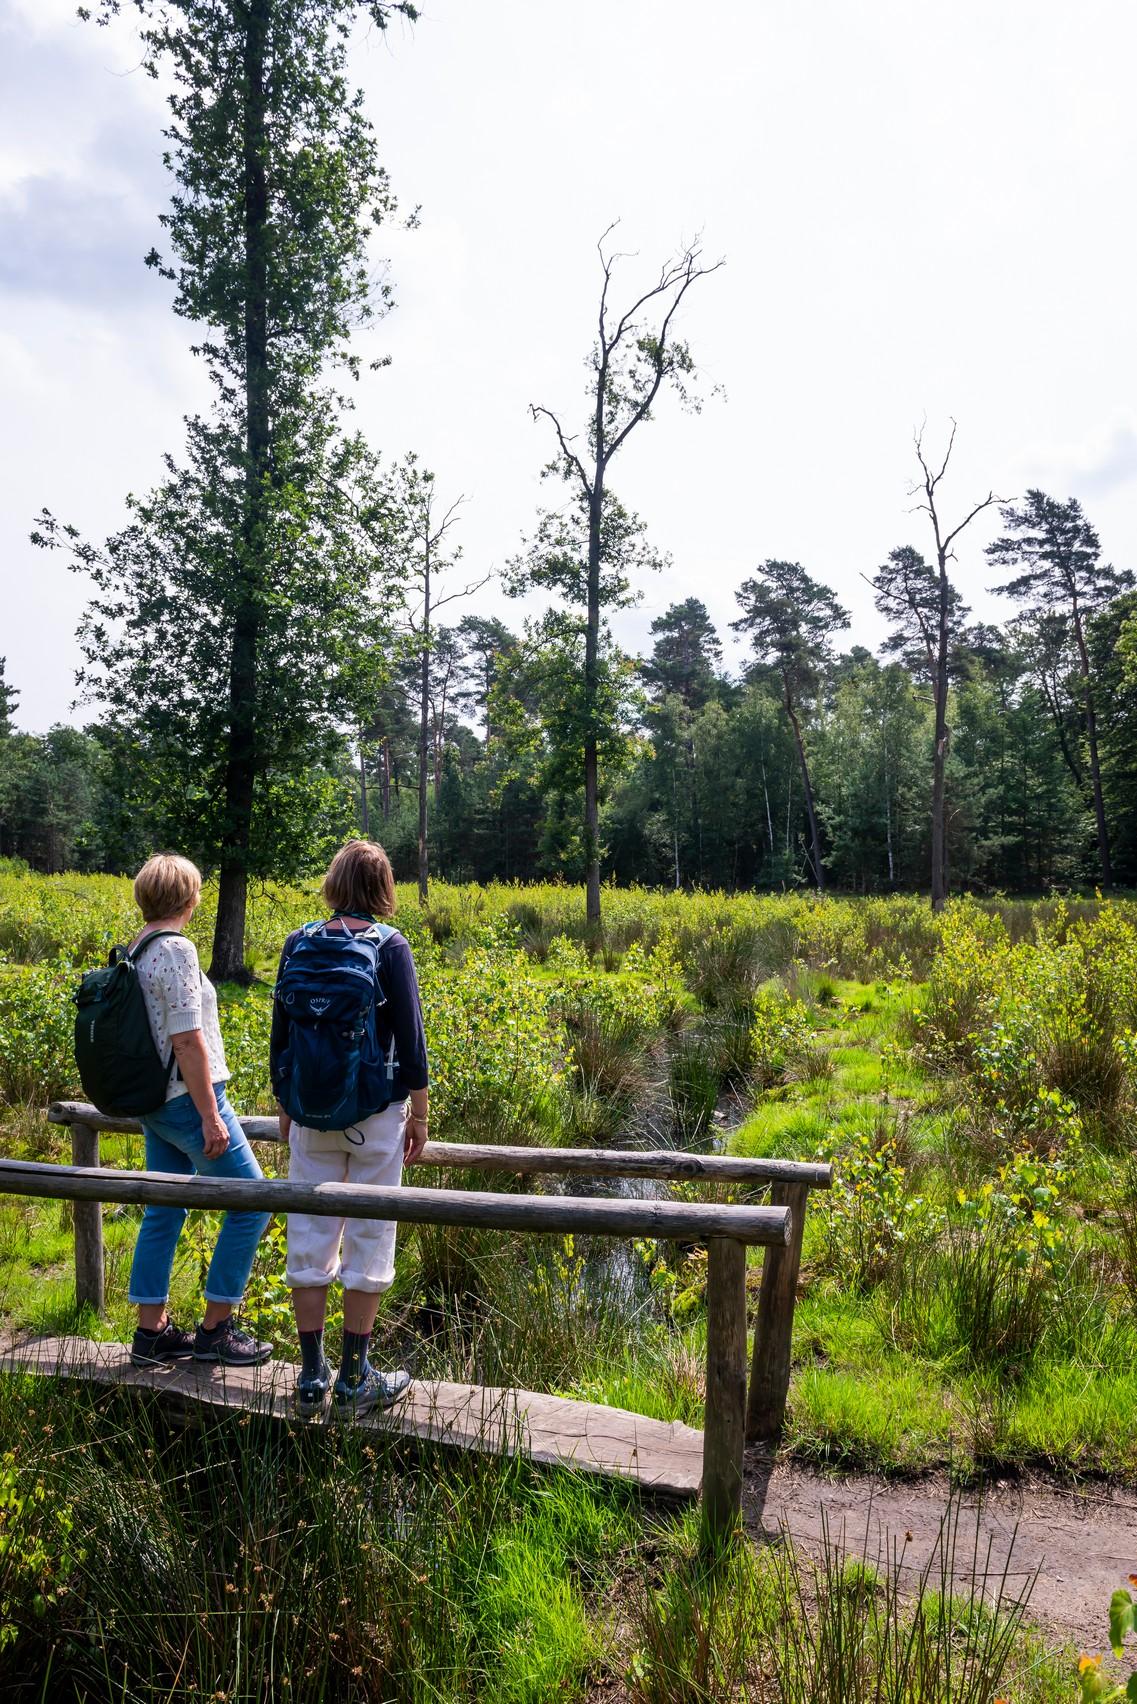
{"x":155,"y":1348}
{"x":312,"y":1391}
{"x":229,"y":1345}
{"x":373,"y":1390}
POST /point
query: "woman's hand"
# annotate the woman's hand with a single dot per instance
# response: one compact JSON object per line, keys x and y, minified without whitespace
{"x":415,"y":1134}
{"x":216,"y":1134}
{"x":284,"y":1123}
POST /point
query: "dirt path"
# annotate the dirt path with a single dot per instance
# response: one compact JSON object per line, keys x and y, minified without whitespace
{"x":1083,"y":1544}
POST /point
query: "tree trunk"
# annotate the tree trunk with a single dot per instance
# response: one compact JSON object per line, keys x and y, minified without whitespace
{"x":240,"y":768}
{"x":440,"y":739}
{"x":939,"y":751}
{"x":385,"y":775}
{"x":675,"y":823}
{"x":1092,"y":743}
{"x":363,"y":813}
{"x":423,"y":727}
{"x":1055,"y":709}
{"x":769,"y":818}
{"x":591,"y":688}
{"x":811,"y":814}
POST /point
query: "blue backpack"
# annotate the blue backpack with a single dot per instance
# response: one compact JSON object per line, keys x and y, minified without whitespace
{"x":332,"y":1072}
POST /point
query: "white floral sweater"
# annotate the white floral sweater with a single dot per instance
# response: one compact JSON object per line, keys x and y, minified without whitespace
{"x":178,"y":998}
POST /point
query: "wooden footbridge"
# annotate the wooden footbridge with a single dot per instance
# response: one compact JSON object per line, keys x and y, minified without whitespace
{"x":662,"y":1456}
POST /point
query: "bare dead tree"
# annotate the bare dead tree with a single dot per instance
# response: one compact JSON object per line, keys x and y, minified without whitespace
{"x":631,"y":361}
{"x":946,"y":599}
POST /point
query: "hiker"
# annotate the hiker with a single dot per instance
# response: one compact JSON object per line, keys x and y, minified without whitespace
{"x":350,"y":1078}
{"x":195,"y":1131}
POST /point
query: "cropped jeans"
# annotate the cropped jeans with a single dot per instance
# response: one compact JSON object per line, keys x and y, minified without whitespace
{"x":175,"y":1142}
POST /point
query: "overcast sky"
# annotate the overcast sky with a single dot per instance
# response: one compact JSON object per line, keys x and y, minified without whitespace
{"x":925,"y":209}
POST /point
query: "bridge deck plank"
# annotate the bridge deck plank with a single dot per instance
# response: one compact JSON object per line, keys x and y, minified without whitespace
{"x":663,"y":1456}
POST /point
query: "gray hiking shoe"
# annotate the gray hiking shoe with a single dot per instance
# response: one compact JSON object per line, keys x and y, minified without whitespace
{"x":373,"y":1390}
{"x":229,"y":1345}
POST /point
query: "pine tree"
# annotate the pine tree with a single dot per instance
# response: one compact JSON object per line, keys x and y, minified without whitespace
{"x":791,"y":619}
{"x":1062,"y":575}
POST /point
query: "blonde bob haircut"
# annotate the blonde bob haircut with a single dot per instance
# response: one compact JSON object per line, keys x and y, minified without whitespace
{"x":360,"y":878}
{"x":165,"y":885}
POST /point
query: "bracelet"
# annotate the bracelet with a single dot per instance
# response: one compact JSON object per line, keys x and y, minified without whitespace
{"x":415,"y":1119}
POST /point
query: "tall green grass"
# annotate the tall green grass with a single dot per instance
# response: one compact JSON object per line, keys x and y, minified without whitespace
{"x":230,"y":1557}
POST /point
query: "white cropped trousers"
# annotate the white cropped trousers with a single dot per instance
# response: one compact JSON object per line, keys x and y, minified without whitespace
{"x":368,"y":1245}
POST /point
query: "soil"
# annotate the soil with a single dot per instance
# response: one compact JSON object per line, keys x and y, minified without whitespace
{"x":1081,"y":1543}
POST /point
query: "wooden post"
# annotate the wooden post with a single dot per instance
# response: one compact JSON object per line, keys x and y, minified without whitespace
{"x":773,"y":1334}
{"x":88,"y":1224}
{"x":724,"y":1418}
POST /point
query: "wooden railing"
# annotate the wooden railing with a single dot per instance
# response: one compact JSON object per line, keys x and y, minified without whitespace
{"x":731,"y":1418}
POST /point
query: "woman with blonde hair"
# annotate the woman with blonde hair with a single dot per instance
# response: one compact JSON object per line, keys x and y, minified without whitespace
{"x":196,"y":1130}
{"x":349,"y":1069}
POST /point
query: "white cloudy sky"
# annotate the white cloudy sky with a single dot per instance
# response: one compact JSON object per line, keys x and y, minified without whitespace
{"x":926,"y":209}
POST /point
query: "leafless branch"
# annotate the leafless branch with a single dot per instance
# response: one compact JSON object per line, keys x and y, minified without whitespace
{"x":570,"y":455}
{"x":466,"y":592}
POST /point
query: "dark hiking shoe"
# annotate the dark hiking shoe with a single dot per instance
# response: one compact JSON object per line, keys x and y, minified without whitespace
{"x":229,"y":1345}
{"x":312,"y":1392}
{"x":155,"y":1348}
{"x":373,"y":1390}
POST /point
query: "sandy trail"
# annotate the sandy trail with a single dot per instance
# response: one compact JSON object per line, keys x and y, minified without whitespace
{"x":1083,"y":1544}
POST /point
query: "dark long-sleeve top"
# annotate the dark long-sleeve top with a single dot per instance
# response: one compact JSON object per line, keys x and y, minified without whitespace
{"x":399,"y":1018}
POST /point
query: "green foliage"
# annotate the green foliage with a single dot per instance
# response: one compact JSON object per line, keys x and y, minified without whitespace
{"x":496,"y":1048}
{"x":1041,"y":1027}
{"x":869,"y":1217}
{"x":782,"y":1036}
{"x":38,"y":1547}
{"x":1092,"y":1683}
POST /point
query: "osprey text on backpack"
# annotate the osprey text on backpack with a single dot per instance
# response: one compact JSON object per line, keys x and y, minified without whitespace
{"x":332,"y":1072}
{"x":120,"y":1068}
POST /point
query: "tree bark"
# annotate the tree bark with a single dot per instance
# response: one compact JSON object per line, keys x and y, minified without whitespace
{"x":424,"y":718}
{"x":940,"y":748}
{"x":363,"y":811}
{"x":1092,"y":744}
{"x":811,"y":814}
{"x":240,"y":769}
{"x":591,"y":684}
{"x":769,"y":818}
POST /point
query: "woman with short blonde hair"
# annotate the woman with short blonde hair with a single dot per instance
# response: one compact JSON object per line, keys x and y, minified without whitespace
{"x":196,"y":1130}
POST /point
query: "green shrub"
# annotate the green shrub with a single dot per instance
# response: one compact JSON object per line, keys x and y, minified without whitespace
{"x":870,"y":1217}
{"x":782,"y":1038}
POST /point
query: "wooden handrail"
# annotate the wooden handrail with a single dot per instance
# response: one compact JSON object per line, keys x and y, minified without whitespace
{"x":678,"y":1221}
{"x":667,"y":1164}
{"x":732,"y":1414}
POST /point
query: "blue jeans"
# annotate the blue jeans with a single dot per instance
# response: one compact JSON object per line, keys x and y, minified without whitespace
{"x":175,"y":1143}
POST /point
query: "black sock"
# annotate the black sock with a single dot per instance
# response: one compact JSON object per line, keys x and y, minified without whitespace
{"x":354,"y":1363}
{"x":311,"y":1353}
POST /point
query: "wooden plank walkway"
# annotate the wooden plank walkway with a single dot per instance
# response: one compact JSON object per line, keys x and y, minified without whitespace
{"x":665,"y":1457}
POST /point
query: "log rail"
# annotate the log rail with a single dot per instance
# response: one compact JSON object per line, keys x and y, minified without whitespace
{"x":733,"y":1415}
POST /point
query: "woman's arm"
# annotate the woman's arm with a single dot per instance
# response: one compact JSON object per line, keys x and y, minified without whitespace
{"x":277,"y":1042}
{"x":410,"y":1044}
{"x":193,"y":1063}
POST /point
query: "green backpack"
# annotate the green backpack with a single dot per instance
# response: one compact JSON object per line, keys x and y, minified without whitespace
{"x":120,"y":1068}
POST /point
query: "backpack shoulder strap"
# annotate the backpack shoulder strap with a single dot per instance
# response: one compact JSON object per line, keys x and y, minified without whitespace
{"x":380,"y":932}
{"x":132,"y":953}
